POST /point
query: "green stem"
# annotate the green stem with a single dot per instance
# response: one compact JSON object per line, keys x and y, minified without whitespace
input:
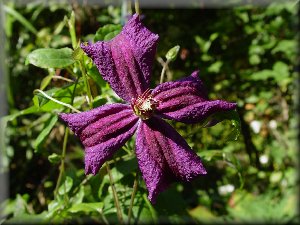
{"x":72,"y":31}
{"x":151,"y":209}
{"x":64,"y":150}
{"x":135,"y":186}
{"x":119,"y":213}
{"x":54,"y":100}
{"x":162,"y":75}
{"x":62,"y":78}
{"x":62,"y":162}
{"x":86,"y":82}
{"x":137,"y":7}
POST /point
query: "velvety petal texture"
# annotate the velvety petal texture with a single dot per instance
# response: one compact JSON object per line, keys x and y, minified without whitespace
{"x":102,"y":132}
{"x":164,"y":156}
{"x":186,"y":100}
{"x":126,"y":61}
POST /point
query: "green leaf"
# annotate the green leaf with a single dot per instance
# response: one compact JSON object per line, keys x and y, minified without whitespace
{"x":228,"y":157}
{"x":266,"y":207}
{"x":78,"y":53}
{"x":98,"y":101}
{"x":254,"y":59}
{"x":64,"y":94}
{"x":87,"y":207}
{"x":279,"y":73}
{"x":215,"y":67}
{"x":262,"y":75}
{"x":20,"y":18}
{"x":256,"y":49}
{"x":234,"y":118}
{"x":281,"y":68}
{"x":95,"y":75}
{"x":45,"y":132}
{"x":51,"y":58}
{"x":204,"y":215}
{"x":54,"y":158}
{"x":107,"y":32}
{"x":28,"y":219}
{"x":45,"y":81}
{"x":66,"y":186}
{"x":200,"y":41}
{"x":30,"y":110}
{"x":213,"y":36}
{"x":288,"y":47}
{"x":77,"y":199}
{"x":172,"y":53}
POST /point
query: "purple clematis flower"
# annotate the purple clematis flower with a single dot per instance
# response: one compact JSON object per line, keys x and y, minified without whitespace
{"x":163,"y":155}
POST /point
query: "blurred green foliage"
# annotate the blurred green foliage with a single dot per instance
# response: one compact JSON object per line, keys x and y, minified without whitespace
{"x":245,"y":54}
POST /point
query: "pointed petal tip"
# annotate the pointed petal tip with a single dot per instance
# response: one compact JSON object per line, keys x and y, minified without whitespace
{"x":151,"y":199}
{"x":88,"y":48}
{"x":195,"y":74}
{"x":91,"y":169}
{"x":135,"y":16}
{"x":234,"y":105}
{"x":203,"y":172}
{"x":63,"y":116}
{"x":226,"y":105}
{"x":153,"y":194}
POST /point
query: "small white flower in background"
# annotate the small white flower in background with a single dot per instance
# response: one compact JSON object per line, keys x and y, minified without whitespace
{"x":273,"y":124}
{"x":264,"y":159}
{"x":255,"y":125}
{"x":226,"y":189}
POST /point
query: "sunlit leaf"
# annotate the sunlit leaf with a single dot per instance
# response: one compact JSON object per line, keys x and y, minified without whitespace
{"x":77,"y":199}
{"x":51,"y":58}
{"x":107,"y":32}
{"x":66,"y":186}
{"x":54,"y":158}
{"x":87,"y":207}
{"x":45,"y":132}
{"x":46,"y":81}
{"x":95,"y":75}
{"x":234,"y":118}
{"x":30,"y":110}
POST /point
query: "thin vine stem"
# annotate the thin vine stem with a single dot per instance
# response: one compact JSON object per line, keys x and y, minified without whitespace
{"x":135,"y":186}
{"x":117,"y":203}
{"x":54,"y":100}
{"x":62,"y":162}
{"x":64,"y":150}
{"x":86,"y":82}
{"x":162,"y":75}
{"x":137,"y":7}
{"x":62,"y":78}
{"x":119,"y":212}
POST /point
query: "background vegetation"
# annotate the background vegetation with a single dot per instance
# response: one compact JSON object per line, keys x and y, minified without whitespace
{"x":245,"y":54}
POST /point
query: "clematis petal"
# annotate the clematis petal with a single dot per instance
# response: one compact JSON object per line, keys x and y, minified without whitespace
{"x":186,"y":100}
{"x":102,"y":131}
{"x":164,"y":156}
{"x":126,"y":61}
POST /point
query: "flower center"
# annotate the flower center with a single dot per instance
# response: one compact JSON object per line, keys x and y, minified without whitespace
{"x":144,"y":105}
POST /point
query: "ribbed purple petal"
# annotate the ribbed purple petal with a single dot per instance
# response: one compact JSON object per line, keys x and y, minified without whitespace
{"x":186,"y":100}
{"x":164,"y":156}
{"x":102,"y":131}
{"x":126,"y":61}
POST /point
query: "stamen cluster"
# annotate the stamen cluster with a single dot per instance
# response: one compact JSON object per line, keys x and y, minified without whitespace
{"x":144,"y":105}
